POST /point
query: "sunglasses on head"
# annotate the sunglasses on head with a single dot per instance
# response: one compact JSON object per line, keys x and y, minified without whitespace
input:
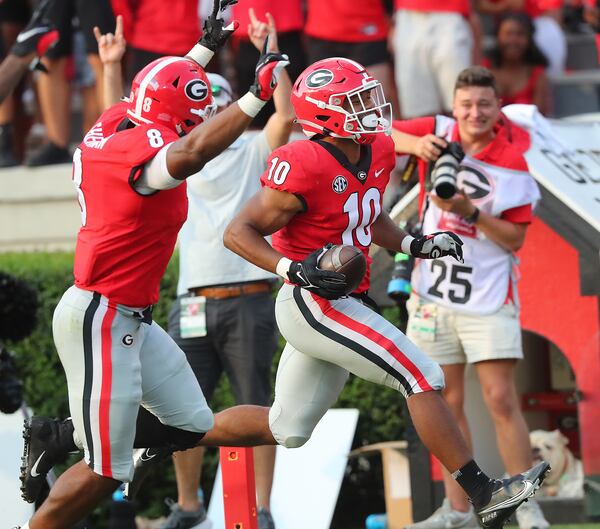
{"x":218,"y":90}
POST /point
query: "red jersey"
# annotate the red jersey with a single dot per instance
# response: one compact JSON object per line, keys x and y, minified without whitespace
{"x":341,"y":200}
{"x":288,"y":15}
{"x":167,"y":28}
{"x":343,"y":21}
{"x":126,"y":239}
{"x":435,"y":6}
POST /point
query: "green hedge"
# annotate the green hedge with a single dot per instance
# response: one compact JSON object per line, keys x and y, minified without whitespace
{"x":381,"y":416}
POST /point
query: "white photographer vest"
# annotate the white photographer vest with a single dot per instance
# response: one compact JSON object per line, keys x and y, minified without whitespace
{"x":480,"y":284}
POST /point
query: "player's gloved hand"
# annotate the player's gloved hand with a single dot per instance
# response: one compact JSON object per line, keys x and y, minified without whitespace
{"x":38,"y":36}
{"x":268,"y":69}
{"x":306,"y":274}
{"x":436,"y":245}
{"x":214,"y":34}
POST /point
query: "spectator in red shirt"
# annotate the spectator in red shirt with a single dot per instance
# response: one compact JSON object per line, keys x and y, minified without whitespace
{"x":155,"y":28}
{"x":518,"y":64}
{"x":469,"y":313}
{"x":289,"y":17}
{"x":433,"y":42}
{"x":354,"y":30}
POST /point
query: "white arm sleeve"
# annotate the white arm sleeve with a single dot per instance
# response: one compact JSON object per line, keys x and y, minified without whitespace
{"x":155,"y":176}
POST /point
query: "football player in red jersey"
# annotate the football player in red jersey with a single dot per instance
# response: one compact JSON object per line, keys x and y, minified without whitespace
{"x":129,"y":172}
{"x":329,"y":190}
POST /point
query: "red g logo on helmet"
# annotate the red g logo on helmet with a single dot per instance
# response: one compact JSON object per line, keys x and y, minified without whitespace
{"x":339,"y":98}
{"x":172,"y":91}
{"x":319,"y":78}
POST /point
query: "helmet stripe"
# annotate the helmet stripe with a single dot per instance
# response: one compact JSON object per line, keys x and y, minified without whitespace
{"x":146,"y":81}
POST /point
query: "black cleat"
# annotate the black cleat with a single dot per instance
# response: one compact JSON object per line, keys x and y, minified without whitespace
{"x":41,"y":451}
{"x":508,"y":494}
{"x":144,"y":459}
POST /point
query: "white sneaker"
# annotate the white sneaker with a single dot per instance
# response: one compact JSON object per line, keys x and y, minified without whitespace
{"x":530,"y":516}
{"x":447,"y":518}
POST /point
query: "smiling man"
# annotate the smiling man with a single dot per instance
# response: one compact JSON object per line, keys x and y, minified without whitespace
{"x":468,"y":312}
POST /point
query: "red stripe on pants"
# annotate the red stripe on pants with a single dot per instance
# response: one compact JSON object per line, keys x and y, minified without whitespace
{"x":105,"y":391}
{"x":374,"y":336}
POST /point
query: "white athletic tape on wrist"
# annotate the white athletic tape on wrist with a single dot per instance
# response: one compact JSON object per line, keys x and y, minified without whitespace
{"x":201,"y":54}
{"x":405,"y":244}
{"x":250,"y":104}
{"x":283,"y":266}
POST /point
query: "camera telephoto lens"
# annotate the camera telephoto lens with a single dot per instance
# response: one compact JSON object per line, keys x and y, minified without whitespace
{"x":444,"y":176}
{"x":445,"y":170}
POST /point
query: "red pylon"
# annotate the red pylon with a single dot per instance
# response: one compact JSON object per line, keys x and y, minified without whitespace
{"x":239,"y":489}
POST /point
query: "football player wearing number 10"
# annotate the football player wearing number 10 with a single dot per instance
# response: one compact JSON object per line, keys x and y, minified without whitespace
{"x":328,"y":189}
{"x":130,"y":171}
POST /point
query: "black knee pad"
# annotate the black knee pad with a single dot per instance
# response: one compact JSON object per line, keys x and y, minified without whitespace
{"x":151,"y":433}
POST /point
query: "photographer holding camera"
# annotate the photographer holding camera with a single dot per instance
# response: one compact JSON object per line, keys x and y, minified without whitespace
{"x":468,"y":312}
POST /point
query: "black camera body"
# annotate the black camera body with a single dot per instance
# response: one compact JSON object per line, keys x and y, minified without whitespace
{"x":445,"y":170}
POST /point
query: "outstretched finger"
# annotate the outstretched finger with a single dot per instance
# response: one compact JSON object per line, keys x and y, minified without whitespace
{"x":119,"y":27}
{"x":42,"y":10}
{"x":270,"y":22}
{"x":97,"y":34}
{"x":252,"y":15}
{"x":216,"y":7}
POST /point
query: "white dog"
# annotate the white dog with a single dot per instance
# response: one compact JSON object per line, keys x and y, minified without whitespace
{"x":565,"y":480}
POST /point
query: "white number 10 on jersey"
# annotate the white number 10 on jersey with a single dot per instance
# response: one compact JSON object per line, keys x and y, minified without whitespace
{"x":361,"y":216}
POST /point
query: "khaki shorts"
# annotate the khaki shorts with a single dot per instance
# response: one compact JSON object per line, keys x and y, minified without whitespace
{"x":451,"y":337}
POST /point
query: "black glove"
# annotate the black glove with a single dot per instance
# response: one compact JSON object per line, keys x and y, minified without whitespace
{"x":268,"y":69}
{"x":306,"y":274}
{"x":11,"y":388}
{"x":39,"y":35}
{"x":436,"y":245}
{"x":214,"y":34}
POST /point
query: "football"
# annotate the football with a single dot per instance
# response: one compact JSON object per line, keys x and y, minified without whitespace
{"x":347,"y":260}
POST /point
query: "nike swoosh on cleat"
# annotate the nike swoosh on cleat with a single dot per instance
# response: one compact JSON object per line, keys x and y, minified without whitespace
{"x":34,"y":473}
{"x":525,"y":493}
{"x":378,"y":172}
{"x":22,"y":37}
{"x":145,"y":457}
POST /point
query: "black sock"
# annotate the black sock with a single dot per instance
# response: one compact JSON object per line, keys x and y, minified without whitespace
{"x":475,"y":483}
{"x":65,"y":437}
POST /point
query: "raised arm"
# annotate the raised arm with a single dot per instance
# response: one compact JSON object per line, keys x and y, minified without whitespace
{"x":111,"y":49}
{"x":279,"y":125}
{"x":188,"y":155}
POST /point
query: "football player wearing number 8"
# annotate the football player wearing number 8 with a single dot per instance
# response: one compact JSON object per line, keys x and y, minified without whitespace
{"x":130,"y":171}
{"x":328,"y":189}
{"x":468,"y":313}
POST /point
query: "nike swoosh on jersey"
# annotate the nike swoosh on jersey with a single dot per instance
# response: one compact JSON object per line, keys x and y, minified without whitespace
{"x":22,"y":37}
{"x":34,"y":472}
{"x":378,"y":172}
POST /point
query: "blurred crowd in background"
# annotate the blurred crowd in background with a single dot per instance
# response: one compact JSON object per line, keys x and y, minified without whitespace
{"x":415,"y":48}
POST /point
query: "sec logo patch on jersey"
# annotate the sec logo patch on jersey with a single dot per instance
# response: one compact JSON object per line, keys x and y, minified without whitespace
{"x":340,"y":184}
